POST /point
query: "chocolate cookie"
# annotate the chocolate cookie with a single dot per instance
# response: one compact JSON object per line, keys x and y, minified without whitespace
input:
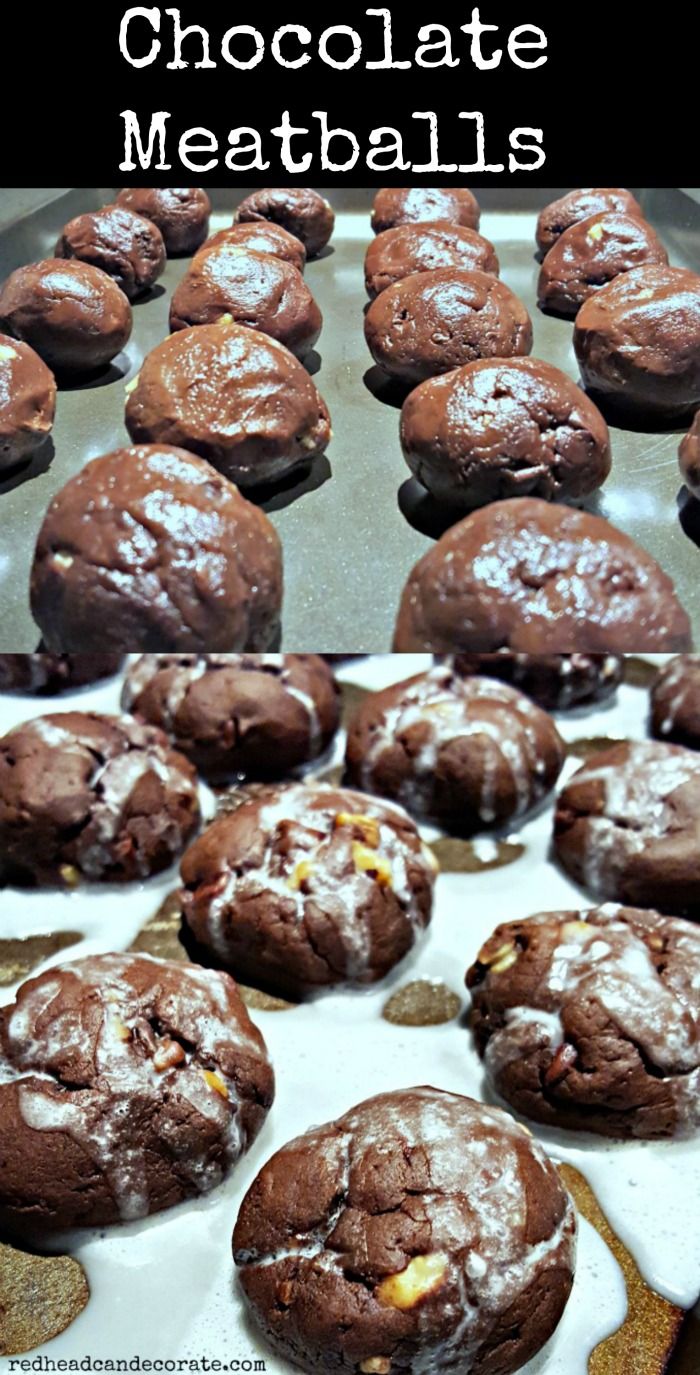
{"x":84,"y":796}
{"x":556,"y":682}
{"x":627,"y":825}
{"x":181,"y":214}
{"x":638,"y":341}
{"x":538,"y":578}
{"x":496,"y":429}
{"x":559,"y":216}
{"x":297,"y":209}
{"x":73,"y":314}
{"x":469,"y":752}
{"x":675,"y":702}
{"x":254,"y":714}
{"x":421,"y":1231}
{"x":262,"y":236}
{"x":175,"y":559}
{"x":234,"y":396}
{"x":591,"y":1020}
{"x":398,"y":253}
{"x":27,"y":401}
{"x":435,"y":321}
{"x":590,"y":254}
{"x":308,"y":886}
{"x":455,"y":204}
{"x":689,"y":458}
{"x":128,"y":247}
{"x":236,"y":285}
{"x":127,"y":1084}
{"x":51,"y":673}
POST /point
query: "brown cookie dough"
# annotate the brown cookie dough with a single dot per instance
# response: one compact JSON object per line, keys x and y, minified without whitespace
{"x":258,"y":715}
{"x":393,"y":206}
{"x":689,"y":458}
{"x":469,"y":752}
{"x":590,"y":254}
{"x":556,"y":218}
{"x":591,"y":1020}
{"x":27,"y":401}
{"x":538,"y":579}
{"x":557,"y":682}
{"x":421,"y":1231}
{"x":308,"y":886}
{"x":638,"y":341}
{"x":73,"y":314}
{"x":408,"y":248}
{"x":84,"y":796}
{"x":675,"y":702}
{"x":128,"y":247}
{"x":435,"y":321}
{"x":262,"y":236}
{"x":248,"y":288}
{"x":627,"y":826}
{"x":50,"y":673}
{"x":496,"y":429}
{"x":235,"y":397}
{"x":299,"y":210}
{"x":174,"y":558}
{"x":181,"y":214}
{"x":127,"y":1084}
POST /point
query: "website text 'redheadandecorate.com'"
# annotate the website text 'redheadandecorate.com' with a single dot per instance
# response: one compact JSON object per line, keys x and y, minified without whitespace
{"x":136,"y":1365}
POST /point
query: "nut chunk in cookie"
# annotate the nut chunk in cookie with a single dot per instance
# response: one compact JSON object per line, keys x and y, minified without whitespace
{"x":419,"y":1232}
{"x":592,"y":1020}
{"x":127,"y":1084}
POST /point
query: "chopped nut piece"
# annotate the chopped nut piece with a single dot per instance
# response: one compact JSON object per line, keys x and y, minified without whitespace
{"x":70,"y":875}
{"x":121,"y":1031}
{"x":564,"y":1060}
{"x":656,"y":942}
{"x":225,"y":319}
{"x":366,"y":825}
{"x":285,"y":1292}
{"x":422,"y":1276}
{"x":61,"y":560}
{"x":376,"y":1365}
{"x":168,"y":1054}
{"x":573,"y":930}
{"x":499,"y":966}
{"x":369,"y":862}
{"x":7,"y":352}
{"x":302,"y":872}
{"x":215,"y":1082}
{"x":596,"y":231}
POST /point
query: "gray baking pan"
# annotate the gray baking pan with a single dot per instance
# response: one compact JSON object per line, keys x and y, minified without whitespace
{"x":353,"y":527}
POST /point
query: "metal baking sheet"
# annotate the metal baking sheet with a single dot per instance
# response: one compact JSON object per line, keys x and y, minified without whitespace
{"x":353,"y":527}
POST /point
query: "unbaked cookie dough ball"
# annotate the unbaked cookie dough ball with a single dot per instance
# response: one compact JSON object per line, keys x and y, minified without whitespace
{"x":182,"y":214}
{"x":262,"y":236}
{"x":238,"y":286}
{"x":591,"y":1020}
{"x":559,"y":216}
{"x":299,"y":210}
{"x":421,"y":1231}
{"x":307,"y":887}
{"x":50,"y":673}
{"x":257,"y":715}
{"x":638,"y":341}
{"x":88,"y":797}
{"x":496,"y":429}
{"x":675,"y":702}
{"x":626,"y":826}
{"x":235,"y":397}
{"x":432,"y":322}
{"x":415,"y":205}
{"x":469,"y":752}
{"x":557,"y":682}
{"x":689,"y":458}
{"x":172,"y":558}
{"x":590,"y":254}
{"x":27,"y":402}
{"x":127,"y":1085}
{"x":128,"y":247}
{"x":73,"y":314}
{"x":537,"y":578}
{"x":408,"y":248}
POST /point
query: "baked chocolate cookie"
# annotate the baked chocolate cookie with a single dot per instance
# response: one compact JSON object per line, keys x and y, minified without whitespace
{"x":408,"y":248}
{"x":421,"y":1231}
{"x":236,"y":285}
{"x":258,"y":715}
{"x":435,"y":321}
{"x":73,"y":314}
{"x":537,"y":578}
{"x":262,"y":236}
{"x":455,"y":204}
{"x":50,"y":673}
{"x":181,"y":214}
{"x":173,"y":558}
{"x":591,"y":1020}
{"x":235,"y":397}
{"x":308,"y":886}
{"x":127,"y":1084}
{"x":590,"y":254}
{"x":638,"y":341}
{"x":128,"y":247}
{"x":689,"y":458}
{"x":469,"y":752}
{"x":561,"y":214}
{"x":27,"y":401}
{"x":627,"y":824}
{"x":299,"y":210}
{"x":675,"y":702}
{"x":85,"y":796}
{"x":496,"y":429}
{"x":557,"y":682}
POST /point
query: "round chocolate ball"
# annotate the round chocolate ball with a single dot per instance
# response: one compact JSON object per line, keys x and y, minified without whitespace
{"x":580,"y":205}
{"x":27,"y":401}
{"x":181,"y":214}
{"x":128,"y":247}
{"x":417,"y":204}
{"x":557,"y":682}
{"x":590,"y":254}
{"x":236,"y":285}
{"x":675,"y":702}
{"x":299,"y":210}
{"x":408,"y":248}
{"x":73,"y":314}
{"x":262,"y":236}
